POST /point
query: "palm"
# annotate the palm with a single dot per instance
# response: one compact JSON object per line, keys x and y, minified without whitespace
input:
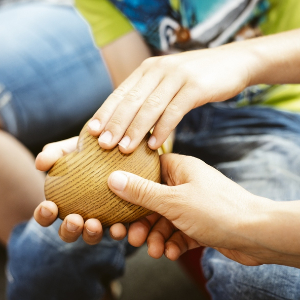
{"x":239,"y":257}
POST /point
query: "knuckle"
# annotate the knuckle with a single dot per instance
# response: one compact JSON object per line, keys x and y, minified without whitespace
{"x":148,"y":194}
{"x":164,"y":129}
{"x":133,"y":95}
{"x":174,"y":109}
{"x":144,"y":191}
{"x":114,"y":123}
{"x":119,"y":91}
{"x":134,"y":129}
{"x":183,"y":69}
{"x":104,"y":110}
{"x":166,"y":60}
{"x":149,"y":61}
{"x":112,"y":100}
{"x":153,"y":101}
{"x":197,"y":86}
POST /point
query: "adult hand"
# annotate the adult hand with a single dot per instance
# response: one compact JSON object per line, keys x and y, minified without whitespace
{"x":199,"y":205}
{"x":73,"y":225}
{"x":163,"y":89}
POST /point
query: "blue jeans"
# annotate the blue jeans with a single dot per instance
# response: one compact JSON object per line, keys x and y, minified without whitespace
{"x":52,"y":77}
{"x":259,"y":149}
{"x":52,"y":80}
{"x":42,"y":266}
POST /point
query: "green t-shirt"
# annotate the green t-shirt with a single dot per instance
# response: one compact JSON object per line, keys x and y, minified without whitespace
{"x":283,"y":15}
{"x":192,"y":24}
{"x":106,"y":21}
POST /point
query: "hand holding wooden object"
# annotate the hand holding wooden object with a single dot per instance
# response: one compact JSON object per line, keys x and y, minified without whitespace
{"x":77,"y":182}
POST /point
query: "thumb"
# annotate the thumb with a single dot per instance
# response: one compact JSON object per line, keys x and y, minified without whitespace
{"x":140,"y":191}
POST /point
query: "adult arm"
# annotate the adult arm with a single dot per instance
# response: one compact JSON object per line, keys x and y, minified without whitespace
{"x":201,"y":206}
{"x":196,"y":206}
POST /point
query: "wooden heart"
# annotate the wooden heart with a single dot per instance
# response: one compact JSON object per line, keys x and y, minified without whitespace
{"x":77,"y":182}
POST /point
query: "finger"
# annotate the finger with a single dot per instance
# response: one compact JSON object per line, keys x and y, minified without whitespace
{"x":150,"y":111}
{"x":71,"y":228}
{"x":178,"y":244}
{"x":139,"y":230}
{"x":159,"y":234}
{"x":173,"y":114}
{"x":104,"y":113}
{"x":92,"y":231}
{"x":46,"y":213}
{"x":118,"y":231}
{"x":126,"y":111}
{"x":140,"y":191}
{"x":178,"y":169}
{"x":52,"y":152}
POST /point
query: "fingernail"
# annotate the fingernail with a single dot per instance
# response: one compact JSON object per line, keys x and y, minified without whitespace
{"x":166,"y":253}
{"x":152,"y":141}
{"x":105,"y":138}
{"x":118,"y":181}
{"x":71,"y":226}
{"x":94,"y":125}
{"x":90,"y":232}
{"x":124,"y":143}
{"x":45,"y":212}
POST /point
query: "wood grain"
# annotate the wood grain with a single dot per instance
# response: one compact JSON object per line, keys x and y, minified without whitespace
{"x":77,"y":182}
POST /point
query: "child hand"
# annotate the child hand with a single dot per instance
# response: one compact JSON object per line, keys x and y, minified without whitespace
{"x":163,"y":89}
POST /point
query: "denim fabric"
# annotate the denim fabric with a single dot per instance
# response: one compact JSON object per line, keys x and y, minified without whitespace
{"x":52,"y":77}
{"x":259,"y":149}
{"x":43,"y":267}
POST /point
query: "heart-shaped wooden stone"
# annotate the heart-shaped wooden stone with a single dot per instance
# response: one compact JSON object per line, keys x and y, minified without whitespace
{"x":77,"y":182}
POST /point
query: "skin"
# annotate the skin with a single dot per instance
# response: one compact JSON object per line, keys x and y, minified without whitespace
{"x":73,"y":225}
{"x":160,"y":92}
{"x":21,"y":185}
{"x":122,"y":63}
{"x":195,"y":199}
{"x":163,"y":89}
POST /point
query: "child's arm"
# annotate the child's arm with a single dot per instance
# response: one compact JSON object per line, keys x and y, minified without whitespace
{"x":163,"y":89}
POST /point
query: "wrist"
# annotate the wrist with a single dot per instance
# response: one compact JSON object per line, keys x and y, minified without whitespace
{"x":250,"y":59}
{"x":244,"y":59}
{"x":273,"y":59}
{"x":269,"y":231}
{"x":252,"y":234}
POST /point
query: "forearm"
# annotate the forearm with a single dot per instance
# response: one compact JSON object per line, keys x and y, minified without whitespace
{"x":274,"y":59}
{"x":124,"y":55}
